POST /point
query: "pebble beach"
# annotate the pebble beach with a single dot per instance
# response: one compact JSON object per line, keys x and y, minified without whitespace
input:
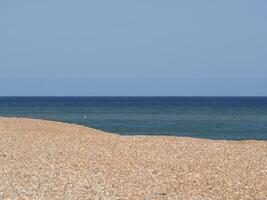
{"x":53,"y":160}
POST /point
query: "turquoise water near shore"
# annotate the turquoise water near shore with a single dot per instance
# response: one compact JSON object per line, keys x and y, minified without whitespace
{"x":230,"y":118}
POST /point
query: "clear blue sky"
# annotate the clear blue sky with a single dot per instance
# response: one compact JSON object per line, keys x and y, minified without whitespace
{"x":63,"y":47}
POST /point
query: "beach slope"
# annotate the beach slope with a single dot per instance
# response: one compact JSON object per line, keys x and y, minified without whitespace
{"x":51,"y":160}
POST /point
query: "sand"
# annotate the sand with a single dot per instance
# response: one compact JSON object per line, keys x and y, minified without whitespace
{"x":52,"y":160}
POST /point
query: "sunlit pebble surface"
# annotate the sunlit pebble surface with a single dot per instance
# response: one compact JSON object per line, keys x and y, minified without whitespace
{"x":52,"y":160}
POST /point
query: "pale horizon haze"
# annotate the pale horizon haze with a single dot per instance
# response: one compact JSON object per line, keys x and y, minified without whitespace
{"x":133,"y":48}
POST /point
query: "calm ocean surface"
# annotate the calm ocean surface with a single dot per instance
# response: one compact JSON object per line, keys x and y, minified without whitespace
{"x":235,"y":118}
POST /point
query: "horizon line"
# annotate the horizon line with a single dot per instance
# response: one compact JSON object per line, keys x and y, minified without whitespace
{"x":130,"y":96}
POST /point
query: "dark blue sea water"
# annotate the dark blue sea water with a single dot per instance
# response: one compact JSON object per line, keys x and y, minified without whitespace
{"x":230,"y":118}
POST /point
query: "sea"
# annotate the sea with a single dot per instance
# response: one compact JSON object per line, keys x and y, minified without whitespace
{"x":223,"y":118}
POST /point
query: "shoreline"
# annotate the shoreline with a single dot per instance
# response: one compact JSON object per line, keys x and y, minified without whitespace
{"x":130,"y":135}
{"x":56,"y":160}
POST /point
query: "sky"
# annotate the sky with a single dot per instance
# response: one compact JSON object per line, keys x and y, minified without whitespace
{"x":133,"y":48}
